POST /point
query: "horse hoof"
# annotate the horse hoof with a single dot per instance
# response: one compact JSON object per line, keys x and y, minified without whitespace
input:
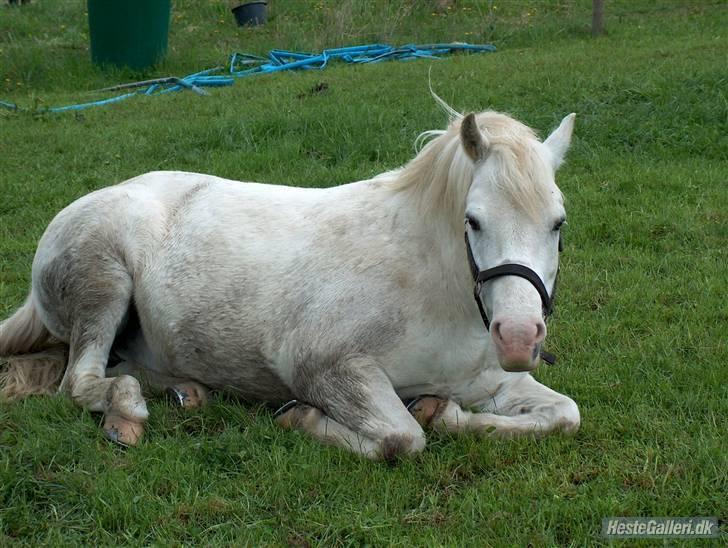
{"x":285,"y":407}
{"x":187,"y":395}
{"x":294,"y":414}
{"x":176,"y":396}
{"x":123,"y":431}
{"x":426,"y":408}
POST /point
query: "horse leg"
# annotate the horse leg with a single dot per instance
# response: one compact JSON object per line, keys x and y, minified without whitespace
{"x":351,"y":403}
{"x":119,"y":399}
{"x":325,"y":429}
{"x":525,"y":407}
{"x":186,"y":393}
{"x":96,"y":307}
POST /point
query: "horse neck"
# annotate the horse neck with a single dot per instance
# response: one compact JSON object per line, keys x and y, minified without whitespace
{"x":448,"y":247}
{"x":434,"y":247}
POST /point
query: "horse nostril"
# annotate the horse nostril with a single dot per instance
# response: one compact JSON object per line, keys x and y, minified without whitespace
{"x":495,"y":328}
{"x":540,"y":332}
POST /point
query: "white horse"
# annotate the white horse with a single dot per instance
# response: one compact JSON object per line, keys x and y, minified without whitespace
{"x":348,"y":300}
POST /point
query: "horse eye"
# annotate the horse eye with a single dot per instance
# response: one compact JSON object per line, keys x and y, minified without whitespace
{"x":559,"y":224}
{"x":474,"y":225}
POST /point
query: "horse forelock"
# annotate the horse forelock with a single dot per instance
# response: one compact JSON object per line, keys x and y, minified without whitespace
{"x":441,"y":174}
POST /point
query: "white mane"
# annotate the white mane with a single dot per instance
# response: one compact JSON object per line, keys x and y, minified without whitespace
{"x":441,"y":173}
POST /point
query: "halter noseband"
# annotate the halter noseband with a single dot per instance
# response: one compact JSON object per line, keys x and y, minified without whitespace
{"x":511,"y":269}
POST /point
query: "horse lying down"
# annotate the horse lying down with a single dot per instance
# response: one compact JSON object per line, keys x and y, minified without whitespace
{"x":348,"y":300}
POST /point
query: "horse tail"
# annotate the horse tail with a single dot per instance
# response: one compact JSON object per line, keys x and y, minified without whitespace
{"x":32,"y":361}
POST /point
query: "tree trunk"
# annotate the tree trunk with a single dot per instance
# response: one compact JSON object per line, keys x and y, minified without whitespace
{"x":597,"y":17}
{"x":441,"y":6}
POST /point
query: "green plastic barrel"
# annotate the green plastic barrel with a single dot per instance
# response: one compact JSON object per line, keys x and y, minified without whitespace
{"x":128,"y":33}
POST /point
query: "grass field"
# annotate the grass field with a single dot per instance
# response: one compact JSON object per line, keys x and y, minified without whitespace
{"x":640,"y":325}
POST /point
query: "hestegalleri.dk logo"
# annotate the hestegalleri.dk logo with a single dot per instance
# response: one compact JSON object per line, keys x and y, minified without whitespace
{"x":698,"y":527}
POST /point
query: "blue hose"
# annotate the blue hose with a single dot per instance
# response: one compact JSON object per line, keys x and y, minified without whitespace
{"x":278,"y":61}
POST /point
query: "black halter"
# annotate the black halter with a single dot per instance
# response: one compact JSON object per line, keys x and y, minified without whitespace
{"x":512,"y":269}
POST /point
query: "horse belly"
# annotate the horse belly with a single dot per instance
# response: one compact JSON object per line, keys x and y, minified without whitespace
{"x":202,"y":330}
{"x":245,"y":376}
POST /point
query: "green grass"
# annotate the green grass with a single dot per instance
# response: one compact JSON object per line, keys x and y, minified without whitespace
{"x":641,"y":318}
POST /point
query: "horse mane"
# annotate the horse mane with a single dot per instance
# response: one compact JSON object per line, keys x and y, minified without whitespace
{"x":441,"y":174}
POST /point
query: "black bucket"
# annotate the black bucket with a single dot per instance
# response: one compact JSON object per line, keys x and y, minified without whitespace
{"x":252,"y":13}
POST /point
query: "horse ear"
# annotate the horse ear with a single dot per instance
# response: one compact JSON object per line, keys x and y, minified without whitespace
{"x":472,"y":138}
{"x":558,"y":142}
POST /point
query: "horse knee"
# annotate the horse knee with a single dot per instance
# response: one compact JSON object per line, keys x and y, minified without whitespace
{"x":568,"y":418}
{"x":398,"y":445}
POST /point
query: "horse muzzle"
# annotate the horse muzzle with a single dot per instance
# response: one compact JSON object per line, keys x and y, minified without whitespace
{"x":518,"y":343}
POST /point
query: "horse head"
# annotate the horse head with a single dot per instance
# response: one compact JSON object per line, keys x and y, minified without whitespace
{"x":513,"y":215}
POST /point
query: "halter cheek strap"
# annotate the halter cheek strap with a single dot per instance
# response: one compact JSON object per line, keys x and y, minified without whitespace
{"x":509,"y":269}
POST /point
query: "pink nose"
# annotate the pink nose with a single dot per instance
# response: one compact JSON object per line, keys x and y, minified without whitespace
{"x":518,"y":342}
